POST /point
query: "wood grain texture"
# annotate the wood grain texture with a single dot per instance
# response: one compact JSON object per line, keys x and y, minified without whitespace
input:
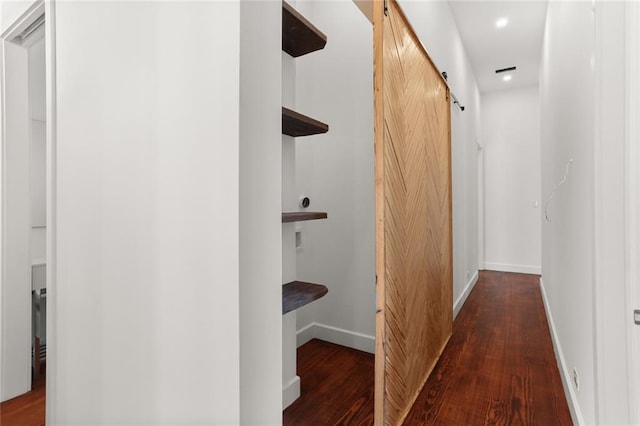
{"x":296,"y":294}
{"x":413,"y":214}
{"x":297,"y":125}
{"x":302,"y":216}
{"x":336,"y":387}
{"x":498,"y":368}
{"x":379,"y":196}
{"x":299,"y":36}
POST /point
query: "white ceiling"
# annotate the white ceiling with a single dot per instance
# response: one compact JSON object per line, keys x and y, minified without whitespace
{"x":490,"y":48}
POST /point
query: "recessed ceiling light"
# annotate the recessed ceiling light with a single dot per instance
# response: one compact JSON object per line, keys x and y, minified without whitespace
{"x":502,"y":22}
{"x":507,"y":77}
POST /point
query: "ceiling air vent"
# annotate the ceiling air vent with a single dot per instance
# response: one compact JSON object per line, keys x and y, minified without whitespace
{"x":505,"y":70}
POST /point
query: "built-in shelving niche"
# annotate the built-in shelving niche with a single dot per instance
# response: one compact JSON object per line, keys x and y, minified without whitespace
{"x":300,"y":37}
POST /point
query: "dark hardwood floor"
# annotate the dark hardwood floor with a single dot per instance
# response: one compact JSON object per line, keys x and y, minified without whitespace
{"x":27,"y":409}
{"x":336,"y":386}
{"x":497,"y":369}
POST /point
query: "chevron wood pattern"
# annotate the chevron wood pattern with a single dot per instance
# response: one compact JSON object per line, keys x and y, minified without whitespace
{"x":413,"y":214}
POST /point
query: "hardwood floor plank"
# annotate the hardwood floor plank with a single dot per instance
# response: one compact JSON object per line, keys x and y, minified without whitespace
{"x":27,"y":409}
{"x":338,"y":383}
{"x":498,"y":368}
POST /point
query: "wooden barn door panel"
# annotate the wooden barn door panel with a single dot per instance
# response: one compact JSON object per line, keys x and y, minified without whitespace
{"x":413,"y":214}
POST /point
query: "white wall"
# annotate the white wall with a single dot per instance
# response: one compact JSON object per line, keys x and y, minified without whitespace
{"x":15,"y":293}
{"x":148,"y":249}
{"x":260,"y":213}
{"x":511,"y":149}
{"x":335,"y":170}
{"x":582,"y":100}
{"x":567,"y":101}
{"x":613,"y":317}
{"x":632,"y":196}
{"x":436,"y":28}
{"x":10,"y":11}
{"x":38,"y":150}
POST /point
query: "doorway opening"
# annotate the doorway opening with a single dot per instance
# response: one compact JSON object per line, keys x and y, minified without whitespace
{"x":24,"y":232}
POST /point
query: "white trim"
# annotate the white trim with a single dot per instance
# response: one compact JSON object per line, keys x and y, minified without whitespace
{"x":339,"y":336}
{"x":632,"y":201}
{"x":305,"y":334}
{"x":569,"y":391}
{"x":2,"y":132}
{"x":52,"y":300}
{"x":519,"y":269}
{"x":465,"y":294}
{"x":598,"y":250}
{"x":480,"y":188}
{"x":290,"y":392}
{"x":39,"y":261}
{"x":610,"y":320}
{"x":32,"y":13}
{"x":11,"y":387}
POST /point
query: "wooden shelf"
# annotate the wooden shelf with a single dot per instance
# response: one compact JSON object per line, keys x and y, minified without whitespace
{"x":302,"y":216}
{"x":296,"y":294}
{"x":296,"y":124}
{"x":299,"y":36}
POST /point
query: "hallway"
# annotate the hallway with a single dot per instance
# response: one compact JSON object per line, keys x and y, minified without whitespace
{"x":498,"y":368}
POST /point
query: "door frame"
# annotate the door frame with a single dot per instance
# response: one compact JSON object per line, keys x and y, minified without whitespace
{"x":616,"y":206}
{"x":481,"y":208}
{"x":8,"y":43}
{"x":632,"y":201}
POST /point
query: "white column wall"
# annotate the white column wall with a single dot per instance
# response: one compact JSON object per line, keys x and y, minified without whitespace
{"x":260,"y":212}
{"x":147,"y":213}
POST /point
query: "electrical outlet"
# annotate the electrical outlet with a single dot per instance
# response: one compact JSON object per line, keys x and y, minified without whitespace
{"x":298,"y":241}
{"x":576,"y":379}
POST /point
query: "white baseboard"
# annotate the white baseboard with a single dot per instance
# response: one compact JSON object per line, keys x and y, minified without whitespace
{"x":518,"y":269}
{"x":569,"y":390}
{"x":290,"y":392}
{"x":305,"y":334}
{"x":350,"y":339}
{"x":465,"y":294}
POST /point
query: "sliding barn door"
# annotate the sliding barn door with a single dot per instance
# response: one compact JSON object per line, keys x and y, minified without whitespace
{"x":413,"y":214}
